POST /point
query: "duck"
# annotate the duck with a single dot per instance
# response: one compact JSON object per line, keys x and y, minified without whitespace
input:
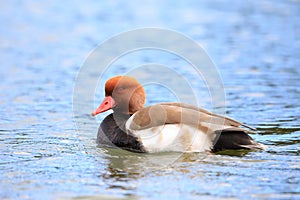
{"x":164,"y":127}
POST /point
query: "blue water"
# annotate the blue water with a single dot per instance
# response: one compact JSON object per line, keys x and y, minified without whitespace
{"x":44,"y":44}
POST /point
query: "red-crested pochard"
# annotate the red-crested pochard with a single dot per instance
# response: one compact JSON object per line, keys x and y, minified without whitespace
{"x":165,"y":126}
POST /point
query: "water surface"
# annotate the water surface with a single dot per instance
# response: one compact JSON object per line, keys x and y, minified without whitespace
{"x":255,"y":46}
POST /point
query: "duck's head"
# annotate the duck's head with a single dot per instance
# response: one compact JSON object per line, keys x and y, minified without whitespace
{"x":123,"y":94}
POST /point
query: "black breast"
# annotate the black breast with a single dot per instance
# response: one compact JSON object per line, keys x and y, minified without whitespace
{"x":111,"y":133}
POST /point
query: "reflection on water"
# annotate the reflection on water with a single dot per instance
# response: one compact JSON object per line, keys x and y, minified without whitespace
{"x":216,"y":174}
{"x":255,"y":45}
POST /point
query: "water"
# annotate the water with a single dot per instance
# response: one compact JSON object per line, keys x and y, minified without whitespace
{"x":255,"y":45}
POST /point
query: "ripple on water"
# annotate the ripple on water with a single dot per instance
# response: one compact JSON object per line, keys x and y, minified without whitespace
{"x":42,"y":48}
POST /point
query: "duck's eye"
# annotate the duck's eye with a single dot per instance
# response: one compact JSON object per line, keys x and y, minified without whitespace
{"x":121,"y":89}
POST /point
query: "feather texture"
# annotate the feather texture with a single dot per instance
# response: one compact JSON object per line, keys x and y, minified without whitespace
{"x":182,"y":127}
{"x":165,"y":126}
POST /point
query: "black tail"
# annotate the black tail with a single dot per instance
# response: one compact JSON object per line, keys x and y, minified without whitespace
{"x":233,"y":140}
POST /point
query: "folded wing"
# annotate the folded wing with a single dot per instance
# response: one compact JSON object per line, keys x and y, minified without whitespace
{"x":189,"y":128}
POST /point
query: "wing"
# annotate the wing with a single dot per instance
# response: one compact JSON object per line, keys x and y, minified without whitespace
{"x":186,"y":128}
{"x":179,"y":113}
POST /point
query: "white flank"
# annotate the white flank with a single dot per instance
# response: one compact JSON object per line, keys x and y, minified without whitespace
{"x":173,"y":137}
